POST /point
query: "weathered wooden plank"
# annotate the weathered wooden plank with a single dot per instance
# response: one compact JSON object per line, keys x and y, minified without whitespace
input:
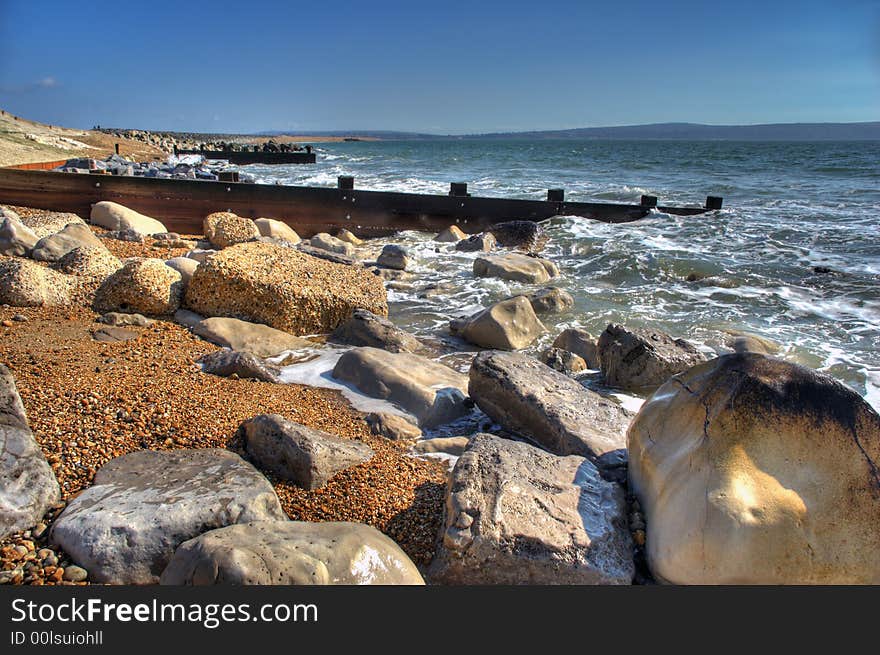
{"x":183,"y":204}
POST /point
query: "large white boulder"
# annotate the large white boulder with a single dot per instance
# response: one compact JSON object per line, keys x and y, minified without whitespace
{"x":753,"y":470}
{"x":116,"y":217}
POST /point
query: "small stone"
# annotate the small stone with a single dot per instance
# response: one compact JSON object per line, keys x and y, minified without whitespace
{"x":20,"y":318}
{"x":639,"y":537}
{"x":75,"y":574}
{"x":7,"y":323}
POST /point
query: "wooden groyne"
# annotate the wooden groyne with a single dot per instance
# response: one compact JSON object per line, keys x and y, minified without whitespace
{"x":182,"y":204}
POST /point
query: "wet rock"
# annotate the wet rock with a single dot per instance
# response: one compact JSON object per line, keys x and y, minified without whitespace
{"x":516,"y":267}
{"x":224,"y":229}
{"x":551,"y":300}
{"x":581,"y":343}
{"x":261,"y":340}
{"x":283,"y":288}
{"x":324,"y":241}
{"x":518,"y":515}
{"x":277,"y":230}
{"x":113,"y":216}
{"x":243,"y":365}
{"x":746,"y":342}
{"x":451,"y":234}
{"x":118,"y":319}
{"x":28,"y":488}
{"x":291,"y":553}
{"x":392,"y":426}
{"x":391,"y":274}
{"x":16,"y":239}
{"x":144,"y":286}
{"x":532,"y":400}
{"x":563,"y":361}
{"x":524,"y":235}
{"x":24,"y":283}
{"x":433,"y":393}
{"x":125,"y":528}
{"x":753,"y":470}
{"x":394,"y":256}
{"x":55,"y":246}
{"x":477,"y":243}
{"x":74,"y":573}
{"x":506,"y":325}
{"x":366,"y":329}
{"x":299,"y":454}
{"x":636,"y":358}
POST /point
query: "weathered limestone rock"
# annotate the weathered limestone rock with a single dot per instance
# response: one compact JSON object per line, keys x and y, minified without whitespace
{"x":516,"y":267}
{"x":242,"y":336}
{"x":433,"y":393}
{"x":506,"y":325}
{"x":551,"y":300}
{"x":518,"y":515}
{"x":328,"y":256}
{"x":125,"y":528}
{"x":392,"y":426}
{"x":441,"y":445}
{"x":119,"y":320}
{"x":753,"y":470}
{"x":563,"y":361}
{"x":477,"y":243}
{"x":145,"y":286}
{"x":636,"y":358}
{"x":16,"y":238}
{"x":533,"y":400}
{"x":291,"y":553}
{"x":581,"y":343}
{"x":324,"y":241}
{"x":231,"y":363}
{"x":283,"y":288}
{"x":28,"y":487}
{"x":200,"y":255}
{"x":294,"y":452}
{"x":348,"y":237}
{"x":116,"y":217}
{"x":45,"y":223}
{"x":53,"y":247}
{"x":394,"y":256}
{"x":366,"y":329}
{"x":224,"y":229}
{"x":277,"y":230}
{"x":96,"y":263}
{"x":451,"y":234}
{"x":24,"y":283}
{"x":186,"y":266}
{"x":525,"y":235}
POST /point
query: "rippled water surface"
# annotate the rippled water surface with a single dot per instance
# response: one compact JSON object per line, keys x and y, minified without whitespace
{"x":789,"y":208}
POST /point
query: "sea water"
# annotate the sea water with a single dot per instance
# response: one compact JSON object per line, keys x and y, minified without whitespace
{"x":793,"y":256}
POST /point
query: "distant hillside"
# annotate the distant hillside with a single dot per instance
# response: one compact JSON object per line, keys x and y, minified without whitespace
{"x":674,"y":131}
{"x":695,"y":131}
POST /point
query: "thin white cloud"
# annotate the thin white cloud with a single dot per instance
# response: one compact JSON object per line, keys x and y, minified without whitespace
{"x":47,"y":82}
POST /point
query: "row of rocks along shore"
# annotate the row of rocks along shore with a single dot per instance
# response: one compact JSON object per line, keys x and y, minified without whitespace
{"x":147,"y":437}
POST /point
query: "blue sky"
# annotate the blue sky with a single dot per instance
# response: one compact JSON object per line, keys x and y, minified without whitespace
{"x":446,"y":67}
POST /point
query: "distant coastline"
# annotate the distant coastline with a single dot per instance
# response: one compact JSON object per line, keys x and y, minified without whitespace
{"x":655,"y":131}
